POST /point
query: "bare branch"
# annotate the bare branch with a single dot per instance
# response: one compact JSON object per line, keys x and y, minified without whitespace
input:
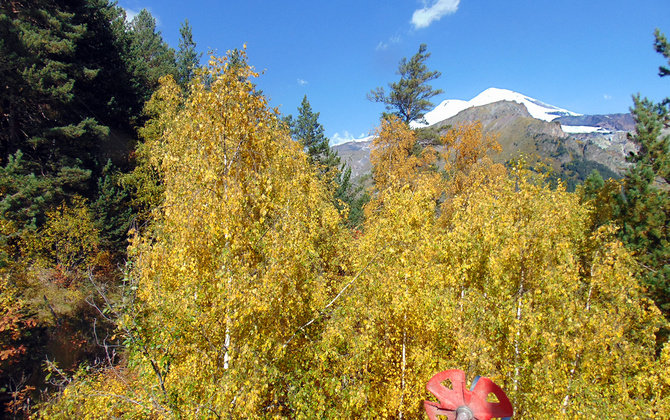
{"x":322,"y":311}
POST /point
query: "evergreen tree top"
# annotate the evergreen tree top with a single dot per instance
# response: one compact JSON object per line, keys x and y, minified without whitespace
{"x":409,"y":97}
{"x":662,"y":47}
{"x":187,"y":58}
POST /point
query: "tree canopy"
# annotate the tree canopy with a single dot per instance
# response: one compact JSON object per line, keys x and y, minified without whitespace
{"x":249,"y":298}
{"x":645,"y":199}
{"x":307,"y":130}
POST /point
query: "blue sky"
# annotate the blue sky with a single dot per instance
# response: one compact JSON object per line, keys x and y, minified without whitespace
{"x":588,"y":56}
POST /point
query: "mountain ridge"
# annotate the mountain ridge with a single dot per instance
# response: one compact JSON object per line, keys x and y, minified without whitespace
{"x":451,"y":107}
{"x":573,"y":144}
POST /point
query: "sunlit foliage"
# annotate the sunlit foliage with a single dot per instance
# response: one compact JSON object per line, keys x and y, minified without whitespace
{"x":245,"y":250}
{"x":248,"y":298}
{"x":393,"y":159}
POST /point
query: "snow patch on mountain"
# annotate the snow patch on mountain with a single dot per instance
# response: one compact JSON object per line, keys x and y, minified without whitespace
{"x":451,"y":107}
{"x":583,"y":129}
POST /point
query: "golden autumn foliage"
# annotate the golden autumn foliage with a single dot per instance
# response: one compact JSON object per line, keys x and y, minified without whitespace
{"x":552,"y":309}
{"x":146,"y":178}
{"x":245,"y":250}
{"x":69,"y":238}
{"x":513,"y":287}
{"x":392,"y":155}
{"x":249,"y":299}
{"x":467,"y":153}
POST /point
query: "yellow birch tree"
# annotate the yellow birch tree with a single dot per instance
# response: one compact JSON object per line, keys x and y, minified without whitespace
{"x":245,"y":249}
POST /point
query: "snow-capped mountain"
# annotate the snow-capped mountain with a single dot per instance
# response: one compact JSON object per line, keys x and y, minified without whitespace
{"x":572,"y":143}
{"x":452,"y":107}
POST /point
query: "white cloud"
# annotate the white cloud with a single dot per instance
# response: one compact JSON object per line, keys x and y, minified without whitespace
{"x":381,"y":46}
{"x":384,"y":45}
{"x":607,"y":97}
{"x":422,"y":18}
{"x":302,"y":82}
{"x":347,"y":137}
{"x":130,"y":14}
{"x":343,"y":138}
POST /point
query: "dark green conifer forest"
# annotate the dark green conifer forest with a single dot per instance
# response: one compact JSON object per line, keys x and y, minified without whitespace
{"x":75,"y":77}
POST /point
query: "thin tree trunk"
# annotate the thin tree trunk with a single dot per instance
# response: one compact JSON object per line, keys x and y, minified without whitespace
{"x":404,"y":364}
{"x":226,"y":343}
{"x":404,"y":360}
{"x":517,"y":337}
{"x":566,"y":400}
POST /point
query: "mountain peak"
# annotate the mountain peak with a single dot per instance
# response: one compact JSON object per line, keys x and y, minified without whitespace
{"x":537,"y":109}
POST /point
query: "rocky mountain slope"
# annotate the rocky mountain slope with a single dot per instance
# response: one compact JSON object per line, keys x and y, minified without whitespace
{"x":571,"y":143}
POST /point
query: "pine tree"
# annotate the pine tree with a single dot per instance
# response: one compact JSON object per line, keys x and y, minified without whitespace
{"x":112,"y":210}
{"x":307,"y":130}
{"x":645,"y":201}
{"x":662,"y":47}
{"x":69,"y":103}
{"x":187,"y":58}
{"x":51,"y":138}
{"x":105,"y":92}
{"x":40,"y":74}
{"x":409,"y":98}
{"x":149,"y":56}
